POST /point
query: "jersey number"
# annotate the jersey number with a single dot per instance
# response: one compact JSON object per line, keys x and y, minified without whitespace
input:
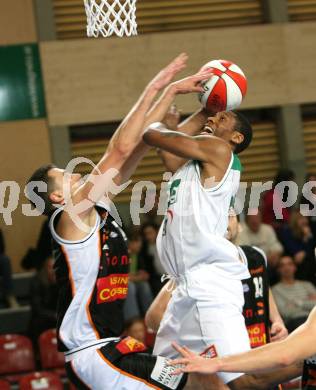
{"x":173,"y":195}
{"x":258,"y":282}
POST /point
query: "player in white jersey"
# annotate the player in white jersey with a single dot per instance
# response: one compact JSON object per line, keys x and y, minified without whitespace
{"x":205,"y":311}
{"x":92,"y":263}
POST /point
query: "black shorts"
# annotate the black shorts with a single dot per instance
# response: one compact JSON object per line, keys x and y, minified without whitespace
{"x":149,"y":369}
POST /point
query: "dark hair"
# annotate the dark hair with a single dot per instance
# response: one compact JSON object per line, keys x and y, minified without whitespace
{"x":41,"y":174}
{"x":243,"y":127}
{"x":286,"y":257}
{"x":283,"y":175}
{"x":148,"y":224}
{"x":134,"y":235}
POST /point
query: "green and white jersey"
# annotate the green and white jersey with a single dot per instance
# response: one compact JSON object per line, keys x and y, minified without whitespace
{"x":192,"y":233}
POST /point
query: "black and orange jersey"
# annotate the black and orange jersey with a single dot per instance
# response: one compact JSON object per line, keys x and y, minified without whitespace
{"x":256,"y":293}
{"x":309,"y":374}
{"x":92,"y":278}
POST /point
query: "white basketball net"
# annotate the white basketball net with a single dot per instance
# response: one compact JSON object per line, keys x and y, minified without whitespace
{"x":107,"y":17}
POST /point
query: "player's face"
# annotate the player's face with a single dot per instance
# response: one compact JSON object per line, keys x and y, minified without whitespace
{"x":221,"y":125}
{"x":63,"y":183}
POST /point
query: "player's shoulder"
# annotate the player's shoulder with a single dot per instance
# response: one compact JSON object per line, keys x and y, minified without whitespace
{"x":236,"y":163}
{"x":250,"y":250}
{"x":262,"y":253}
{"x":217,"y":149}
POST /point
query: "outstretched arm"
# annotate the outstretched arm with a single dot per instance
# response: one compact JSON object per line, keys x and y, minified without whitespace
{"x":127,"y":139}
{"x":205,"y":148}
{"x":298,"y":346}
{"x":118,"y":162}
{"x":159,"y":111}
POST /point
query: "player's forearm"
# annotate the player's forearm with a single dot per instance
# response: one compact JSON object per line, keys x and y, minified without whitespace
{"x":194,"y":123}
{"x":161,"y":107}
{"x":129,"y":133}
{"x":155,"y":114}
{"x":203,"y":148}
{"x":170,"y":141}
{"x":158,"y":307}
{"x":299,"y":345}
{"x":266,"y":358}
{"x":274,"y":312}
{"x":190,"y":126}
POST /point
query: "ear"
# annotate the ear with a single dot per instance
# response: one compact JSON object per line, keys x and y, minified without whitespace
{"x":237,"y":138}
{"x":56,"y":197}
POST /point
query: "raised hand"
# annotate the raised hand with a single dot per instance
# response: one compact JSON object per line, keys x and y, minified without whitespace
{"x":278,"y":331}
{"x":166,"y":75}
{"x":192,"y":83}
{"x":192,"y":362}
{"x":172,"y":118}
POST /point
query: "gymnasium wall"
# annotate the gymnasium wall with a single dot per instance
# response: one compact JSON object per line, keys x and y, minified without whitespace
{"x":99,"y":80}
{"x":17,"y":22}
{"x":24,"y":144}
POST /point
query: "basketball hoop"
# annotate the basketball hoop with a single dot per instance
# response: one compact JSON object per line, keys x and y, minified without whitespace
{"x":107,"y":17}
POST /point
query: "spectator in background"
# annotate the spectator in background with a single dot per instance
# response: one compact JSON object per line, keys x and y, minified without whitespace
{"x":44,"y":299}
{"x":135,"y":328}
{"x":294,"y":298}
{"x":139,"y":296}
{"x":256,"y":233}
{"x":299,"y":243}
{"x":311,"y":203}
{"x":6,"y":274}
{"x":272,"y":200}
{"x":149,"y":252}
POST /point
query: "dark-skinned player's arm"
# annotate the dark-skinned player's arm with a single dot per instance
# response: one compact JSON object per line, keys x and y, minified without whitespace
{"x":158,"y":112}
{"x":158,"y":307}
{"x":190,"y":126}
{"x":298,"y":346}
{"x":204,"y":148}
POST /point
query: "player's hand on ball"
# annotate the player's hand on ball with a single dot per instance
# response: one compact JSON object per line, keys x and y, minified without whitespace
{"x":278,"y":331}
{"x":166,"y":75}
{"x":192,"y":362}
{"x":192,"y":83}
{"x":172,"y":118}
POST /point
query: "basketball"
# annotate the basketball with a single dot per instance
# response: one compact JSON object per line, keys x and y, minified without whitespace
{"x":226,"y":89}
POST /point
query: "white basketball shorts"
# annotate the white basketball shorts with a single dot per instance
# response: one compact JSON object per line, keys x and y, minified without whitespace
{"x":205,"y":315}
